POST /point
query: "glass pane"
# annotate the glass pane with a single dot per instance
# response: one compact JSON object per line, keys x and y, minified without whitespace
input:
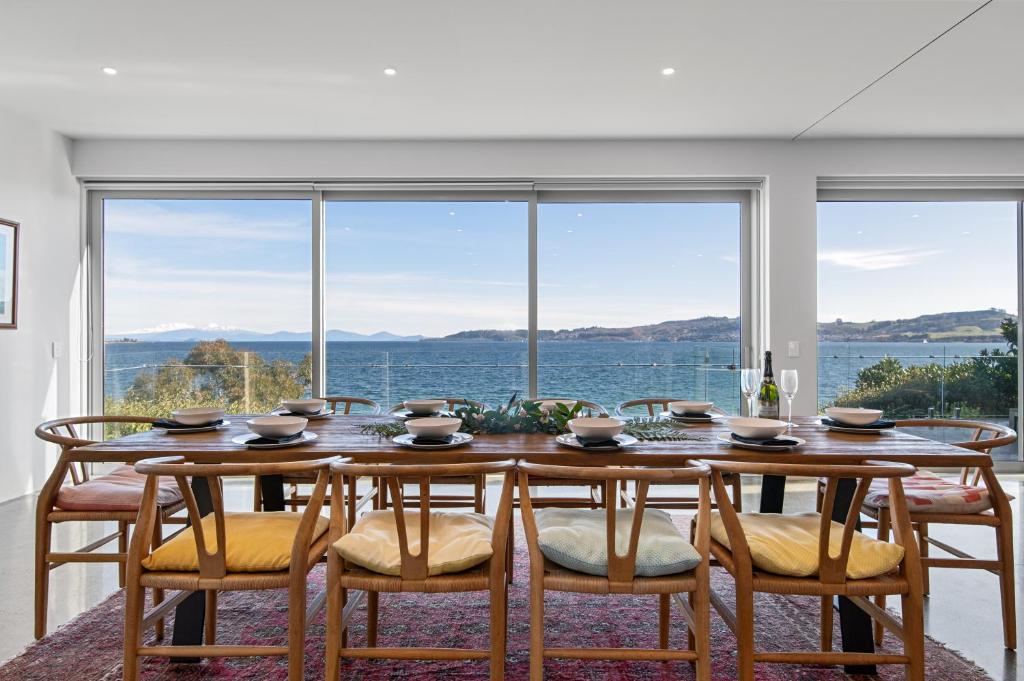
{"x":639,"y":300}
{"x":426,"y":299}
{"x":916,"y":306}
{"x":206,"y":302}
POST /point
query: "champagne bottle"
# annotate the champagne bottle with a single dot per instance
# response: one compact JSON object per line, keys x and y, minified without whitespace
{"x":768,"y":395}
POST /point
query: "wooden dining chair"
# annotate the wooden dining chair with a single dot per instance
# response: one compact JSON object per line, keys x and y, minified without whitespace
{"x":110,"y":498}
{"x":477,"y":500}
{"x":654,"y":407}
{"x":593,"y":499}
{"x":399,"y":551}
{"x":620,"y":551}
{"x":976,"y":499}
{"x":223,"y":551}
{"x":296,"y":497}
{"x":809,"y":554}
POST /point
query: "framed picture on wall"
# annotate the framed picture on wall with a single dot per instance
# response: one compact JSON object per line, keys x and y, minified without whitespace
{"x":8,"y":274}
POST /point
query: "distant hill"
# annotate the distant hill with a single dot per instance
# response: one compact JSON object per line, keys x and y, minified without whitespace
{"x":244,"y":336}
{"x":703,"y":329}
{"x":973,"y":326}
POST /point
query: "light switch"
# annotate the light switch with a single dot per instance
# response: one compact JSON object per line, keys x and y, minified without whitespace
{"x":56,"y":349}
{"x":794,"y":348}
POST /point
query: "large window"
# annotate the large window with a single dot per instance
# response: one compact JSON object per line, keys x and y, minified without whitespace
{"x":426,"y":299}
{"x":639,"y":299}
{"x":917,"y":308}
{"x":205,"y":302}
{"x":392,"y":294}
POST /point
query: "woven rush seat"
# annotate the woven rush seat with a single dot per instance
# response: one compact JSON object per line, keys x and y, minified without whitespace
{"x":119,"y":490}
{"x":927,"y":492}
{"x":788,"y":545}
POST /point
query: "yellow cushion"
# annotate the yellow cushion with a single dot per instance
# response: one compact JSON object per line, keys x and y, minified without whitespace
{"x":458,"y":541}
{"x":256,"y":542}
{"x":788,"y":545}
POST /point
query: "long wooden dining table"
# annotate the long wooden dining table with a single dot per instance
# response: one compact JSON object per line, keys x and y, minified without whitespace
{"x":344,"y":436}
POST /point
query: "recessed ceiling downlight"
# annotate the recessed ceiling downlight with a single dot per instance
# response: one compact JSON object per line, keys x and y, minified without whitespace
{"x":109,"y":70}
{"x":389,"y":71}
{"x":668,"y":71}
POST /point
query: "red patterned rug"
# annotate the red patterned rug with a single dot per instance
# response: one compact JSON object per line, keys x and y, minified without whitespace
{"x":89,"y":647}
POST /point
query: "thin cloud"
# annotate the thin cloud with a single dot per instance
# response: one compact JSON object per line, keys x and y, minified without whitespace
{"x":872,"y":260}
{"x":148,"y":219}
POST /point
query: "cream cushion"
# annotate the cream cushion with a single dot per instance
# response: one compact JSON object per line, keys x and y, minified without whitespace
{"x":577,"y":538}
{"x":788,"y":545}
{"x":256,"y":542}
{"x":458,"y":541}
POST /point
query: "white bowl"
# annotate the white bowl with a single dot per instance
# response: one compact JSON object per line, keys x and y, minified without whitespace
{"x":757,"y":429}
{"x":590,"y":427}
{"x":277,"y":426}
{"x":304,"y":406}
{"x":438,"y":426}
{"x":197,"y":416}
{"x":853,"y":416}
{"x":684,"y":407}
{"x":547,"y":406}
{"x":424,"y":407}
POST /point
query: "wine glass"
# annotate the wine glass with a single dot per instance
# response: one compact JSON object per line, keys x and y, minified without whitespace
{"x":788,"y":383}
{"x":750,"y":380}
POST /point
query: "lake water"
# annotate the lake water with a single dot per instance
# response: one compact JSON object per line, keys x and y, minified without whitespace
{"x":605,"y":372}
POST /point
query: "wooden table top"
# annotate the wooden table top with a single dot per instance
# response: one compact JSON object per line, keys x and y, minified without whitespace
{"x":340,"y":435}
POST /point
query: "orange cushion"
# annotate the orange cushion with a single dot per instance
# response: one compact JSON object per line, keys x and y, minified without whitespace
{"x":119,"y":490}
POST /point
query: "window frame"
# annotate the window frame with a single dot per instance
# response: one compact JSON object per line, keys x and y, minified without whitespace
{"x":747,"y":193}
{"x":938,"y":190}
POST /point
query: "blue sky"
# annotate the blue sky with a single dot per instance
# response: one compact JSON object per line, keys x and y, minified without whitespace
{"x":434,"y":268}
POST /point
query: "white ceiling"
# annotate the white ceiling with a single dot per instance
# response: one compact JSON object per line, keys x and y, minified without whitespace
{"x":524,"y":69}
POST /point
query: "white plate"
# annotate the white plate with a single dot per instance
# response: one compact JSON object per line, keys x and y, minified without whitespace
{"x":306,"y":438}
{"x":727,"y":438}
{"x":406,"y":440}
{"x":857,"y":431}
{"x":197,"y":429}
{"x":312,"y":417}
{"x":690,"y":419}
{"x":569,"y":440}
{"x":406,"y":414}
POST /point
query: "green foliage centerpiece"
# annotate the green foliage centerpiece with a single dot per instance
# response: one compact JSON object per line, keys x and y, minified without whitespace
{"x":526,"y":416}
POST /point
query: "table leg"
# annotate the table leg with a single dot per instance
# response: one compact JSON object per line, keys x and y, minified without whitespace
{"x":272,"y":487}
{"x":773,"y":493}
{"x":190,"y":614}
{"x":854,"y":623}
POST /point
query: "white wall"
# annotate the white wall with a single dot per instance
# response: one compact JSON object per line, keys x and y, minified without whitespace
{"x":790,"y":168}
{"x":38,"y":190}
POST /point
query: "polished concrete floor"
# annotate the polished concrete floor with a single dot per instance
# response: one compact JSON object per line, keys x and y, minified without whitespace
{"x":963,"y":611}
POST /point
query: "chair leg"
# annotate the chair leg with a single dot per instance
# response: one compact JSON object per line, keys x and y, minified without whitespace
{"x":210,"y":624}
{"x":826,"y":623}
{"x":135,"y":599}
{"x":335,"y":605}
{"x":922,"y":533}
{"x":737,"y":493}
{"x":664,"y":614}
{"x":510,"y":552}
{"x":297,"y":627}
{"x":257,"y":495}
{"x":158,"y":594}
{"x":372,"y":605}
{"x":913,"y":633}
{"x":293,"y":499}
{"x":883,"y":535}
{"x":536,"y":628}
{"x":691,"y":635}
{"x":701,"y":604}
{"x":745,"y":630}
{"x":499,"y":637}
{"x":122,"y":547}
{"x":478,"y":494}
{"x":43,"y":538}
{"x":1004,"y":549}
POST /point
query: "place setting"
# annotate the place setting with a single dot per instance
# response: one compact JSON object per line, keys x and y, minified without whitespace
{"x":689,"y":411}
{"x":312,"y":409}
{"x":438,"y":432}
{"x":413,"y":409}
{"x":275,"y":432}
{"x":765,"y":435}
{"x":192,"y":420}
{"x":856,"y":420}
{"x":596,"y":434}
